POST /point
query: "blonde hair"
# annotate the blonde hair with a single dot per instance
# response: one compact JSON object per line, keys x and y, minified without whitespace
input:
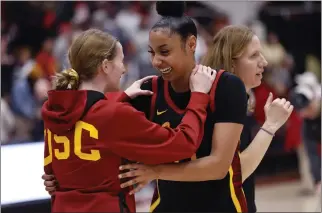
{"x":228,"y":44}
{"x":85,"y":54}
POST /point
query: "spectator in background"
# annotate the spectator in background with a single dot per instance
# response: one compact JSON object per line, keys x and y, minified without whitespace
{"x":306,"y":98}
{"x":23,"y":102}
{"x":46,"y":59}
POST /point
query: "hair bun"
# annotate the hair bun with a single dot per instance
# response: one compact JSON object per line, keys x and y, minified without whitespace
{"x":170,"y":8}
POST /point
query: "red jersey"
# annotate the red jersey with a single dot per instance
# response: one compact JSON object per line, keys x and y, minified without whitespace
{"x":87,"y":136}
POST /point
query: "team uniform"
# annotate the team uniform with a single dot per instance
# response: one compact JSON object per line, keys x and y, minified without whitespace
{"x":166,"y":107}
{"x":88,"y":136}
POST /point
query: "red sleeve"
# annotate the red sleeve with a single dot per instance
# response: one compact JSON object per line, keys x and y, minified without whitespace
{"x":138,"y":139}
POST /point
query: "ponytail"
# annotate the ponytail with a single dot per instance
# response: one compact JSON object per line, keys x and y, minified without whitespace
{"x":67,"y":79}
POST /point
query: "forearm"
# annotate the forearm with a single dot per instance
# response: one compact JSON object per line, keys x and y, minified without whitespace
{"x":251,"y":157}
{"x":203,"y":169}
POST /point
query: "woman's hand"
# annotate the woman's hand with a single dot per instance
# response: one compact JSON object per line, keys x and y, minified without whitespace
{"x":201,"y":79}
{"x":50,"y":183}
{"x":135,"y":89}
{"x":276,"y":112}
{"x":141,"y":174}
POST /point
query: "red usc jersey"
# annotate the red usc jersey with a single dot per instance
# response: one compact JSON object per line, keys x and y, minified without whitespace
{"x":87,"y":136}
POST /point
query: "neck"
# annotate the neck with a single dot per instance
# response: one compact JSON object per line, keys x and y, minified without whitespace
{"x":182,"y":84}
{"x":248,"y":90}
{"x":93,"y":85}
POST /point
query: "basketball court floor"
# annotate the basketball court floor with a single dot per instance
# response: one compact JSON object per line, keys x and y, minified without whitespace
{"x":273,"y":197}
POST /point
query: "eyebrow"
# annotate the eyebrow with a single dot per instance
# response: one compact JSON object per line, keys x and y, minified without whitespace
{"x":163,"y":45}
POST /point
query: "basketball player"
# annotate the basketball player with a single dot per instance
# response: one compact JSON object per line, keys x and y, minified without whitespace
{"x":87,"y":135}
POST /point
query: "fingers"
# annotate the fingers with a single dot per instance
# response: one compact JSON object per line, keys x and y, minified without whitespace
{"x":213,"y":73}
{"x":130,"y":166}
{"x":52,"y":193}
{"x":132,"y":173}
{"x":131,"y":182}
{"x":269,"y":99}
{"x":204,"y":69}
{"x":195,"y":69}
{"x":145,"y":92}
{"x":282,"y":101}
{"x":142,"y":80}
{"x":137,"y":189}
{"x":50,"y":189}
{"x":287,"y":105}
{"x":50,"y":183}
{"x":209,"y":72}
{"x":290,"y":109}
{"x":48,"y":177}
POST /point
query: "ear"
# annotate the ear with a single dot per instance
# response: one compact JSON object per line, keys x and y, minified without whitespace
{"x":106,"y":66}
{"x":192,"y":43}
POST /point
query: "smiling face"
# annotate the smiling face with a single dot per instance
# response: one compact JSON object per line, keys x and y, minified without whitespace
{"x":250,"y":65}
{"x":171,"y":56}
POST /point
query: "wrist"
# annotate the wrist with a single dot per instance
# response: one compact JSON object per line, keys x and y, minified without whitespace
{"x":128,"y":94}
{"x":272,"y":128}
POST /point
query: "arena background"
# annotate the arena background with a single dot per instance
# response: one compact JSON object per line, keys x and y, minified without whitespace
{"x":34,"y":40}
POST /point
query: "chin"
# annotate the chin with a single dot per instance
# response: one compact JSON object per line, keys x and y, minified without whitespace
{"x":257,"y":84}
{"x":167,"y":77}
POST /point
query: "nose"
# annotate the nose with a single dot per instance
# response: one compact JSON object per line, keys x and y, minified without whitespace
{"x":156,"y":62}
{"x":263,"y":62}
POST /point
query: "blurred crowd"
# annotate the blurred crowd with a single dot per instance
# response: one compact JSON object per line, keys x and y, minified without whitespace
{"x":35,"y":37}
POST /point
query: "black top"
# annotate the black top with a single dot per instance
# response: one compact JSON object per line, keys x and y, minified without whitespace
{"x":230,"y":106}
{"x":230,"y":91}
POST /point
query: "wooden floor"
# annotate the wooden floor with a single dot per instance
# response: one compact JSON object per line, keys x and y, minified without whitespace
{"x":273,"y":197}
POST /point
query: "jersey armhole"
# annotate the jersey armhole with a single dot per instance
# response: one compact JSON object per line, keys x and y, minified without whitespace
{"x":213,"y":90}
{"x":154,"y":97}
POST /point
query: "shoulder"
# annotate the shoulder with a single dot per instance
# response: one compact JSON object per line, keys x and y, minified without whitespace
{"x":148,"y":85}
{"x":230,"y":99}
{"x":230,"y":82}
